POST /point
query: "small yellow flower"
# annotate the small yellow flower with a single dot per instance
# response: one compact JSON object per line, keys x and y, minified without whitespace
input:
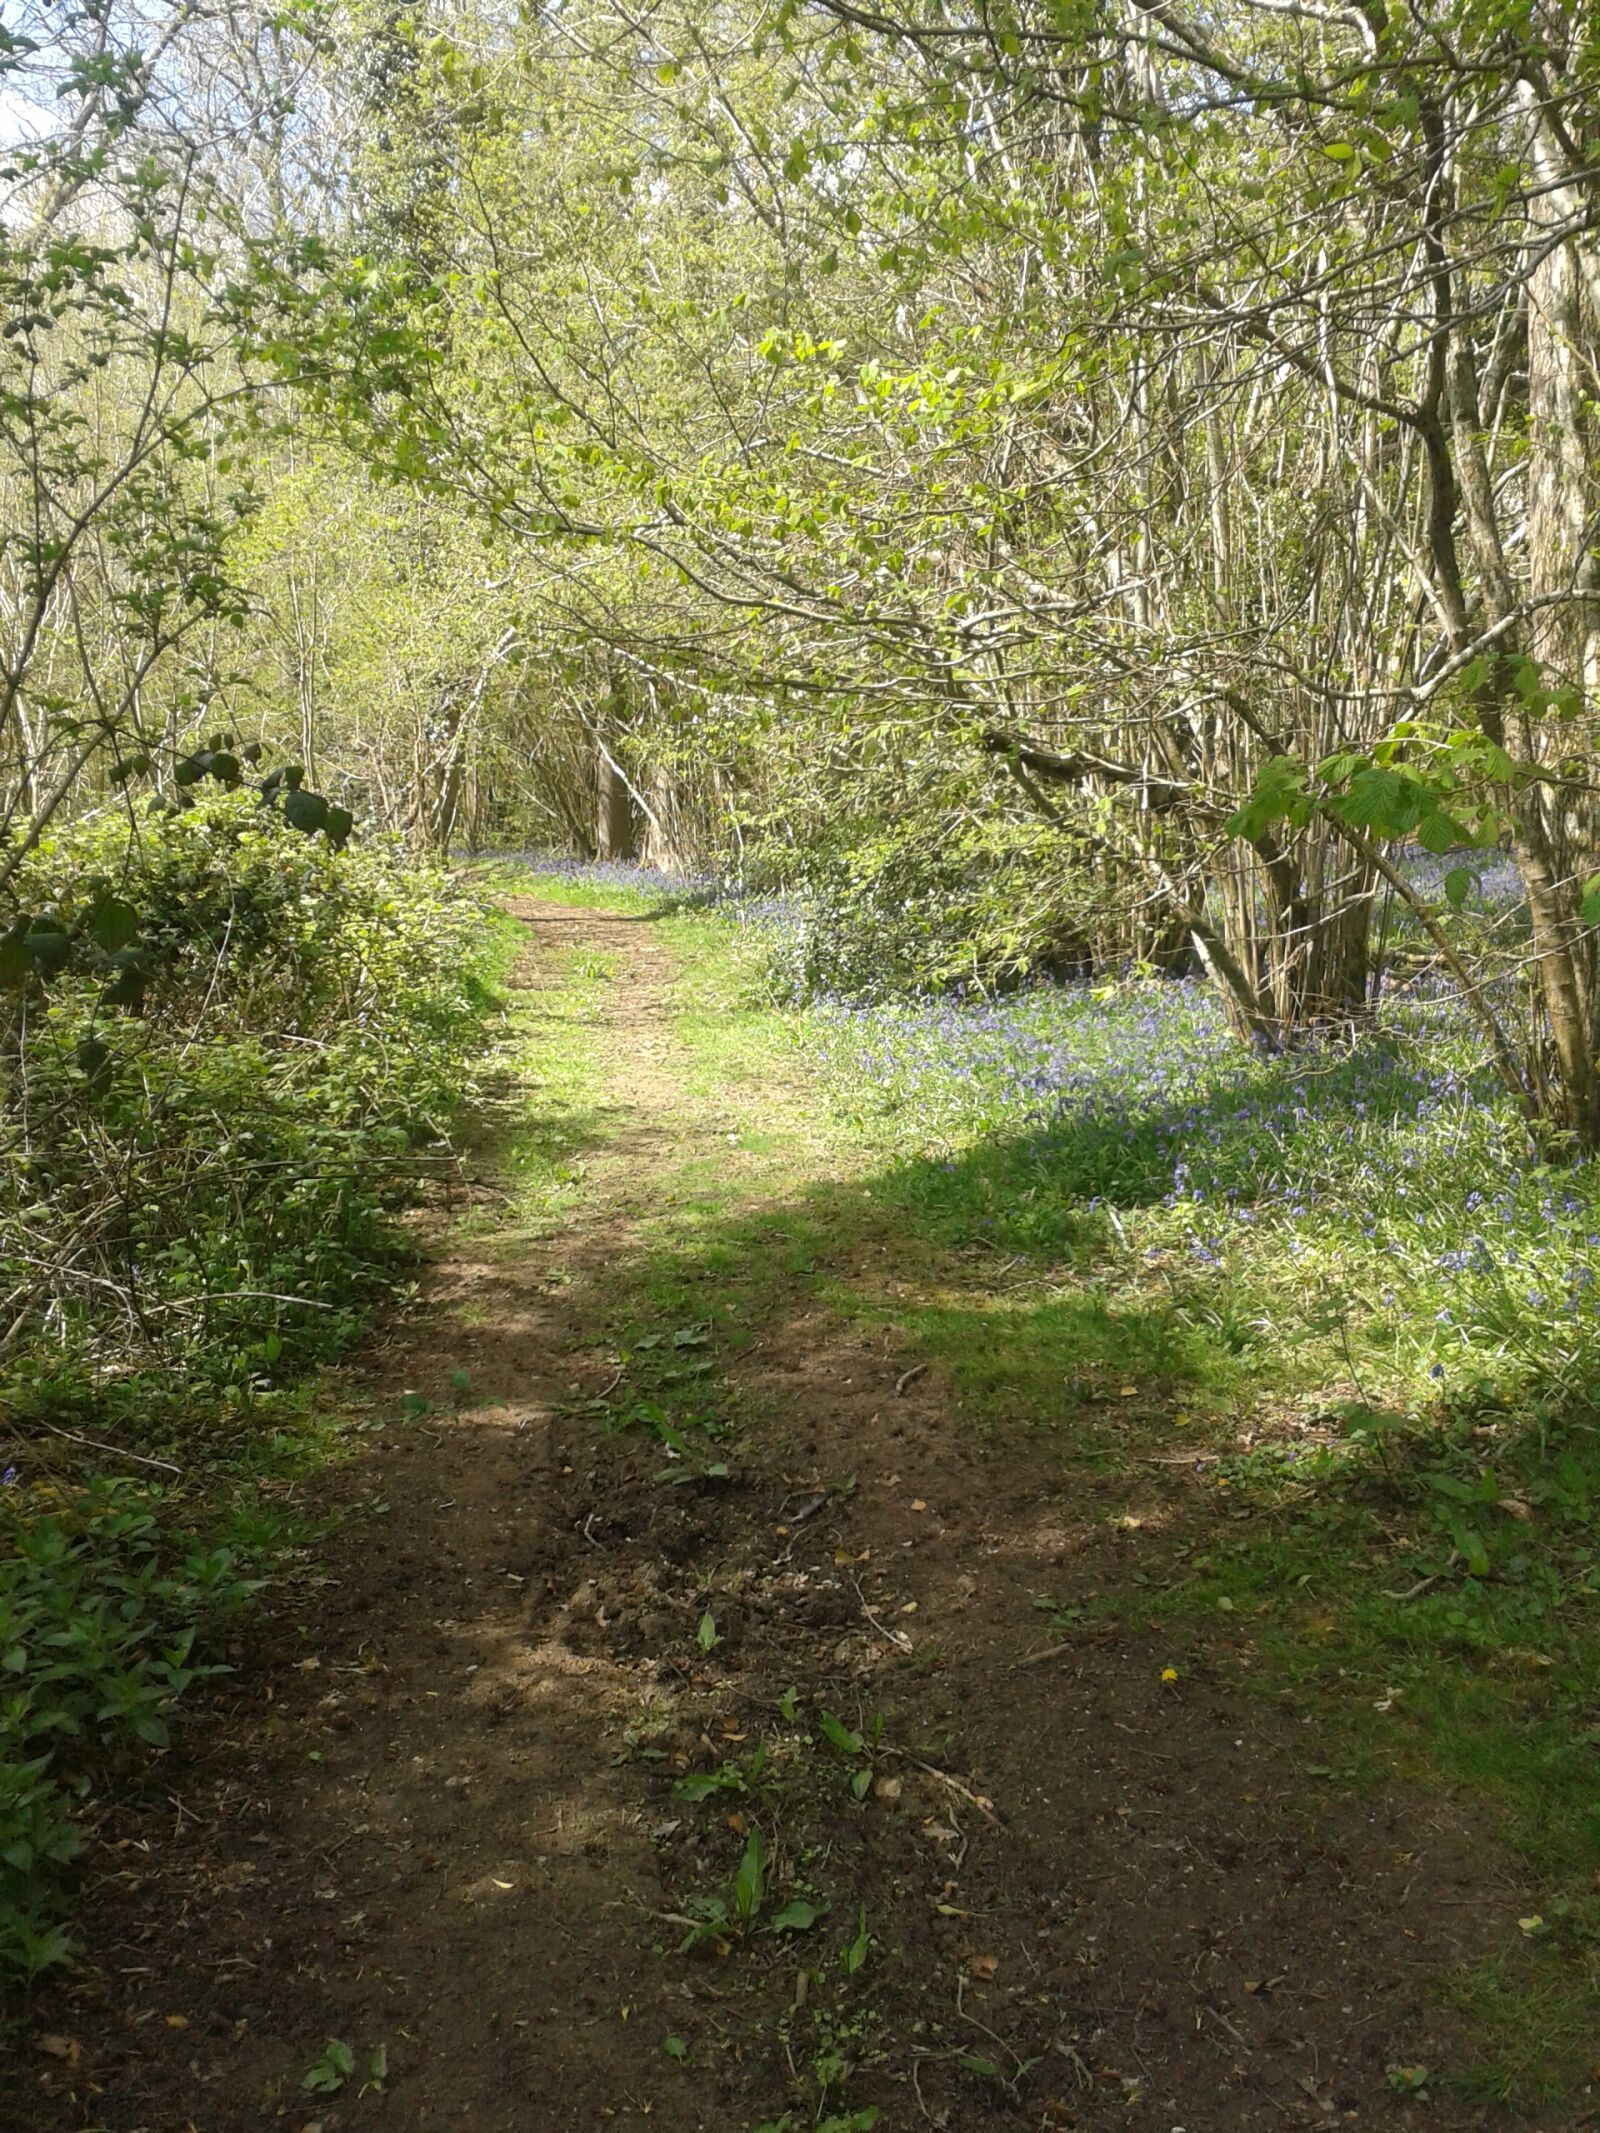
{"x":1169,"y":1673}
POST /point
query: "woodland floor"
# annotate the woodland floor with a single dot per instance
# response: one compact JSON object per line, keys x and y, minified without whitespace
{"x":440,"y":1809}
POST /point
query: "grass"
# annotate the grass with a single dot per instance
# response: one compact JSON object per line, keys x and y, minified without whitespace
{"x":1335,"y":1278}
{"x":538,"y":1116}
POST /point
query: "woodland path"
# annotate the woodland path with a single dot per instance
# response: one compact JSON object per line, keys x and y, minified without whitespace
{"x":441,"y":1812}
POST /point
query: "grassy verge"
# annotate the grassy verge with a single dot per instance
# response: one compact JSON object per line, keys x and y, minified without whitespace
{"x":152,"y":1482}
{"x":1337,"y":1287}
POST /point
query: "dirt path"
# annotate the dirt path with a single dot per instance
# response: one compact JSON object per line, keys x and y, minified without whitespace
{"x":566,"y":1676}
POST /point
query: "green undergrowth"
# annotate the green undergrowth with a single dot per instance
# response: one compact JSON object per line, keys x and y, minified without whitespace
{"x":224,"y":1173}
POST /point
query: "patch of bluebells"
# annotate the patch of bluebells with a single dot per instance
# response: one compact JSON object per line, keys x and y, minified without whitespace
{"x":1495,"y":890}
{"x":605,"y":873}
{"x":1382,"y":1183}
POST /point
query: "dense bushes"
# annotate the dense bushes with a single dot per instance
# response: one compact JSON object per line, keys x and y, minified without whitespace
{"x":196,"y":1200}
{"x":873,"y":914}
{"x":210,"y":1174}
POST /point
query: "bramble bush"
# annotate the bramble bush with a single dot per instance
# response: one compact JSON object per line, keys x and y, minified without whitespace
{"x":869,"y":914}
{"x":209,"y":1175}
{"x":198,"y":1182}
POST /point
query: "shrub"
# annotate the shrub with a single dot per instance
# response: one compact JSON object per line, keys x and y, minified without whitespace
{"x":212,"y":1171}
{"x":198,"y":1180}
{"x":882,"y":915}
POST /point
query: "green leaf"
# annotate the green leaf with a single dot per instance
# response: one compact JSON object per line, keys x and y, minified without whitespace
{"x":796,"y":1917}
{"x":93,"y":1058}
{"x":1474,"y":1553}
{"x":855,"y":1953}
{"x":50,"y":946}
{"x":750,"y":1882}
{"x":113,"y":924}
{"x":303,"y":810}
{"x":16,"y":965}
{"x":840,"y":1735}
{"x":1589,"y":908}
{"x":1381,"y":800}
{"x":705,"y":1784}
{"x":327,"y":2075}
{"x":1439,"y":832}
{"x":1279,"y":783}
{"x":1459,"y":880}
{"x":706,"y":1635}
{"x":860,"y":1782}
{"x":675,"y":2048}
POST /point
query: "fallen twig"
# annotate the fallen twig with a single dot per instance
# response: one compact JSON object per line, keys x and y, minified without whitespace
{"x":897,"y":1637}
{"x":945,"y":1777}
{"x":117,"y":1451}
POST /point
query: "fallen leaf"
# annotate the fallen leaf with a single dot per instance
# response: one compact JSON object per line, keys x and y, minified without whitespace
{"x":59,"y":2048}
{"x":176,"y":2021}
{"x":983,"y":1966}
{"x":917,"y":1504}
{"x":1514,"y":1507}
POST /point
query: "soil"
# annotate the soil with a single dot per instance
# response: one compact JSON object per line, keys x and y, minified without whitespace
{"x":439,"y":1808}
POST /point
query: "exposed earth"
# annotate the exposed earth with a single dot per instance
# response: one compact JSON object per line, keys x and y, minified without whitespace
{"x":573,"y":1672}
